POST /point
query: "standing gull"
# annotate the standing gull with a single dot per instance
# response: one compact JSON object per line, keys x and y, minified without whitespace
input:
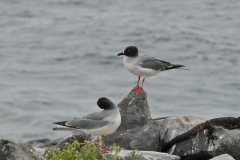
{"x":145,"y":66}
{"x":100,"y":123}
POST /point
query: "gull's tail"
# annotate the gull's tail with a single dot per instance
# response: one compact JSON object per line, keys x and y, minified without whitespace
{"x":176,"y":66}
{"x":62,"y":126}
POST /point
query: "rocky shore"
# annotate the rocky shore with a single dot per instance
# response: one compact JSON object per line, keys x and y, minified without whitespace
{"x":139,"y":131}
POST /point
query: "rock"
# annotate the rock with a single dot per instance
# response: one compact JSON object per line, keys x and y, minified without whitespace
{"x":137,"y":130}
{"x":223,"y":157}
{"x":42,"y":143}
{"x":197,"y":147}
{"x":171,"y":127}
{"x":143,"y":155}
{"x":9,"y":150}
{"x":40,"y":150}
{"x":80,"y":137}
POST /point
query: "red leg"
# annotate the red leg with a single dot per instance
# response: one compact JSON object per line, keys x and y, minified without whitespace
{"x":139,"y":90}
{"x":137,"y":86}
{"x":104,"y":148}
{"x":98,"y":143}
{"x":103,"y":145}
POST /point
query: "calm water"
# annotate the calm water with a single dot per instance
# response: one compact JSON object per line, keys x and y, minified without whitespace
{"x":57,"y":57}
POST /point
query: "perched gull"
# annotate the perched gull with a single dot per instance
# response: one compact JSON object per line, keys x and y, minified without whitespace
{"x":100,"y":123}
{"x":145,"y":66}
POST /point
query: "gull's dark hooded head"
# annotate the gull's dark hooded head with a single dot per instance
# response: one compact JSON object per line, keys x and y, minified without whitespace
{"x":130,"y":51}
{"x":105,"y":103}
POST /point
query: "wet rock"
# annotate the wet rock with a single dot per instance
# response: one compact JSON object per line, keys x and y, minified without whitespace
{"x":144,"y":155}
{"x":9,"y":150}
{"x":197,"y":147}
{"x":137,"y":130}
{"x":223,"y":157}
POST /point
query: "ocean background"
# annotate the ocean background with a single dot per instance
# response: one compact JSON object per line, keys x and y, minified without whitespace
{"x":57,"y":57}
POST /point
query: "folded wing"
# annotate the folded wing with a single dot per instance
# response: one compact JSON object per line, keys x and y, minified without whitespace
{"x":156,"y":64}
{"x":79,"y":123}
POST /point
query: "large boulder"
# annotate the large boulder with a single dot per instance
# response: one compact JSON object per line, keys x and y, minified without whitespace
{"x":43,"y":143}
{"x":171,"y":127}
{"x":223,"y":157}
{"x":143,"y":155}
{"x":197,"y":147}
{"x":9,"y":150}
{"x":137,"y":130}
{"x":78,"y":136}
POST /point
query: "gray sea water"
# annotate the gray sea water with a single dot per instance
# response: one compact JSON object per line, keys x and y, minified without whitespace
{"x":57,"y":57}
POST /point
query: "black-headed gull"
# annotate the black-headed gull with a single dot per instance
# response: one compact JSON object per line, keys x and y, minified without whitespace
{"x":100,"y":123}
{"x":144,"y":65}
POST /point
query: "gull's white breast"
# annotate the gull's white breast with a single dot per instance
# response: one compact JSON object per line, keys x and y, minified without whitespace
{"x":133,"y":65}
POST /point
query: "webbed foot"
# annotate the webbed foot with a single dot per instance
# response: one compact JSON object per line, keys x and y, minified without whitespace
{"x":136,"y":87}
{"x":139,"y":90}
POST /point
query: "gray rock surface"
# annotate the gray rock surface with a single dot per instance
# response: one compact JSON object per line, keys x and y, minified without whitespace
{"x":137,"y":129}
{"x":171,"y":127}
{"x":42,"y":143}
{"x":223,"y":157}
{"x":80,"y":137}
{"x":197,"y":147}
{"x":9,"y":150}
{"x":144,"y":155}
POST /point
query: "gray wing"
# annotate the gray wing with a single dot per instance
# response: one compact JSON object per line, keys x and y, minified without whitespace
{"x":90,"y":121}
{"x":156,"y":64}
{"x":96,"y":116}
{"x":100,"y":115}
{"x":80,"y":123}
{"x":153,"y":63}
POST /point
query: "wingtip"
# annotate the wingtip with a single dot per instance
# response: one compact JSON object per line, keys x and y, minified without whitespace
{"x":184,"y":68}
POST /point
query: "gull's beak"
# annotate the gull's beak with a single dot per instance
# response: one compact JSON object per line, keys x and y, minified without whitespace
{"x":119,"y":54}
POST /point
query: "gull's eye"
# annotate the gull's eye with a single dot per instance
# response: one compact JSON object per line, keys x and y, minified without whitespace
{"x":128,"y":50}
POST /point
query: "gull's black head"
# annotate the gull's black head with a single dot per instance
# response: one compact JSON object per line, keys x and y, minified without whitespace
{"x":105,"y":103}
{"x":130,"y":51}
